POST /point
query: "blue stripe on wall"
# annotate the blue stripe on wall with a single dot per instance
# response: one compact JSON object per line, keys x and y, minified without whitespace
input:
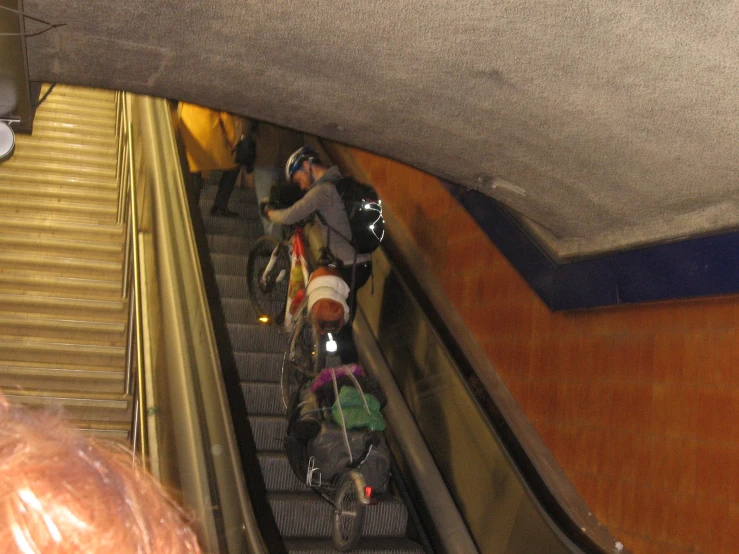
{"x":704,"y":266}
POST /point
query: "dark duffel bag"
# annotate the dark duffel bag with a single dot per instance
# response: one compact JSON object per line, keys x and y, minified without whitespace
{"x":330,"y":457}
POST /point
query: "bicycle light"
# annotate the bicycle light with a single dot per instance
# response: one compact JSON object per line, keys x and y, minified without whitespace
{"x":264,"y":319}
{"x":330,"y":344}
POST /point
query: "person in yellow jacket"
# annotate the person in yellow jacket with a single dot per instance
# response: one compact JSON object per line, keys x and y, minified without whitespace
{"x":209,"y":137}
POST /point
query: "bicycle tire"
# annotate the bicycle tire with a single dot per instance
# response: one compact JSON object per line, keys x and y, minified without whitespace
{"x":319,"y":351}
{"x":347,"y":520}
{"x":291,"y":379}
{"x":306,"y":348}
{"x":268,"y":297}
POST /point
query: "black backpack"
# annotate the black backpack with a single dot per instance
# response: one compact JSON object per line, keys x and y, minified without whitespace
{"x":364,"y":209}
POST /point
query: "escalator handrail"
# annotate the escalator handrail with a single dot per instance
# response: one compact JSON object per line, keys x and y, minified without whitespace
{"x":188,"y":411}
{"x":447,"y":521}
{"x":533,"y":459}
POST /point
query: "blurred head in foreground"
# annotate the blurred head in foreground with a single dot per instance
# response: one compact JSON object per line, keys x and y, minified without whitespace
{"x":61,"y":493}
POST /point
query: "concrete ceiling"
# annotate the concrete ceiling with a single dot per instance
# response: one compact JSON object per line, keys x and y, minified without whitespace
{"x":606,"y":124}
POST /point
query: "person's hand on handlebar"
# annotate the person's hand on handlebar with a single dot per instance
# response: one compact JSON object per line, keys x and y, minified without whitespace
{"x":265,"y":208}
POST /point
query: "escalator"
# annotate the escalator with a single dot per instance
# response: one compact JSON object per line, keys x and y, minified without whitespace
{"x":301,"y":517}
{"x":492,"y":489}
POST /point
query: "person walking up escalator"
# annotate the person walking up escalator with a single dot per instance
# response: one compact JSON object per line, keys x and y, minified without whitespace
{"x":305,"y":169}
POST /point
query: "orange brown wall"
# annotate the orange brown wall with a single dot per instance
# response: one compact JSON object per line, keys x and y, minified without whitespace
{"x":639,"y":404}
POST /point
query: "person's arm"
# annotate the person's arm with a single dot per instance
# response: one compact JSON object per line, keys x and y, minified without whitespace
{"x":313,"y":199}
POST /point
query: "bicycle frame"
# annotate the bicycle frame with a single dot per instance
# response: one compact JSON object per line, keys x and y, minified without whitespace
{"x":270,"y":265}
{"x":361,"y":485}
{"x":296,"y":298}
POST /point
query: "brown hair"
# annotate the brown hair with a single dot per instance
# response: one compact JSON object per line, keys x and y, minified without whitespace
{"x":63,"y":493}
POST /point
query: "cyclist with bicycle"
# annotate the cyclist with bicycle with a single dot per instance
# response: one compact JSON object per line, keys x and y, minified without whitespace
{"x":304,"y":168}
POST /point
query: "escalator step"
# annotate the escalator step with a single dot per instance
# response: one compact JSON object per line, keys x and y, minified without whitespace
{"x":263,"y":398}
{"x":278,"y":476}
{"x":228,"y":244}
{"x":268,"y":431}
{"x":255,"y":366}
{"x":255,"y":338}
{"x":233,"y":286}
{"x":238,"y":197}
{"x":243,"y":226}
{"x":238,"y":310}
{"x":308,"y":515}
{"x":229,"y":264}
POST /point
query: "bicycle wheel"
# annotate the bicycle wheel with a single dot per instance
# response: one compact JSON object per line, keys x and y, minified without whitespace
{"x":268,"y":289}
{"x":349,"y":511}
{"x":291,"y":380}
{"x":306,"y":349}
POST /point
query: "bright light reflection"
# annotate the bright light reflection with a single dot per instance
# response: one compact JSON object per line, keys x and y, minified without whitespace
{"x":330,"y":344}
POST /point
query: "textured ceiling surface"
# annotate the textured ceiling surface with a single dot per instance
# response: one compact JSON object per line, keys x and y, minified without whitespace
{"x":607,"y":124}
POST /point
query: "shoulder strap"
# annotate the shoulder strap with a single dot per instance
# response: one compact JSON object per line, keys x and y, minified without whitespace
{"x":331,"y":228}
{"x":354,"y":262}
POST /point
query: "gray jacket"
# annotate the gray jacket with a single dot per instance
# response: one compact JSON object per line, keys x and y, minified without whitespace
{"x":323,"y":197}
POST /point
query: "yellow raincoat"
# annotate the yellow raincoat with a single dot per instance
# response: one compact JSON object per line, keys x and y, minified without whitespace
{"x":209,"y":136}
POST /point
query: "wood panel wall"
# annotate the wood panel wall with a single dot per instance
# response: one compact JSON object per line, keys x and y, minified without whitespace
{"x":639,"y":404}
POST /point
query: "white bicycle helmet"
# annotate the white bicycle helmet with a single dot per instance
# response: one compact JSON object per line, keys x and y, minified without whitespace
{"x":296,"y":159}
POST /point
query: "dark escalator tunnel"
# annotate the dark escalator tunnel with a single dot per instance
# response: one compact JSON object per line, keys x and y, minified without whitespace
{"x":493,"y":488}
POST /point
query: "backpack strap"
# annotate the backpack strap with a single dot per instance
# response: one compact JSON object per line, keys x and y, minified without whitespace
{"x":331,"y":228}
{"x":352,"y":296}
{"x":354,"y":262}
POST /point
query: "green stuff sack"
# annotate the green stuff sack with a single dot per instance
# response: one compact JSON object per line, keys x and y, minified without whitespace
{"x":354,"y":411}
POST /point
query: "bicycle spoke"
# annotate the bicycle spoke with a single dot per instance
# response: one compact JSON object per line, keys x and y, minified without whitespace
{"x":267,"y":267}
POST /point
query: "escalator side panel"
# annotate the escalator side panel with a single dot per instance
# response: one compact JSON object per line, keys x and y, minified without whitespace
{"x":477,"y":469}
{"x":530,"y":530}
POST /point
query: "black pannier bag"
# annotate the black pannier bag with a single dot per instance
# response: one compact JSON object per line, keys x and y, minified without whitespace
{"x":315,"y":443}
{"x":328,"y":456}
